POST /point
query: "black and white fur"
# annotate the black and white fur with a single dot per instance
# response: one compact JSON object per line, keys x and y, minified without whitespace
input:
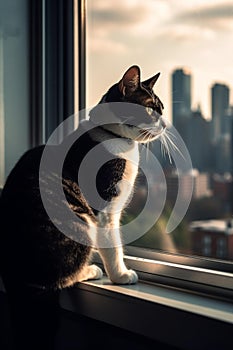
{"x":36,"y":258}
{"x":44,"y":256}
{"x":121,"y":138}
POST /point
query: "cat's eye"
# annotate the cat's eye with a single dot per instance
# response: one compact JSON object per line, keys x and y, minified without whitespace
{"x":149,"y":110}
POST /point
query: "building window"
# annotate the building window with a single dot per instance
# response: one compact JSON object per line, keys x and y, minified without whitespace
{"x":221,"y":247}
{"x":206,"y":247}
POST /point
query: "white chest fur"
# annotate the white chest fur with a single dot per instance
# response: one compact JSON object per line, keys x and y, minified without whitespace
{"x":127,"y":150}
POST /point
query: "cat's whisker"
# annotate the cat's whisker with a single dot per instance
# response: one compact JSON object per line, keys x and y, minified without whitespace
{"x":172,"y":137}
{"x":162,"y":147}
{"x":151,"y":129}
{"x":143,"y":134}
{"x":147,"y":150}
{"x":145,"y":138}
{"x":171,"y":134}
{"x":172,"y":144}
{"x":126,"y":120}
{"x":165,"y":147}
{"x":147,"y":128}
{"x":138,"y":137}
{"x":164,"y":150}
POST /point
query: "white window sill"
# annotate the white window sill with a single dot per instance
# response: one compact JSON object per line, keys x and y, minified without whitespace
{"x":171,"y":316}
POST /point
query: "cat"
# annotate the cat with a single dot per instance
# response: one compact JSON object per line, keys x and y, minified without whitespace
{"x":36,"y":257}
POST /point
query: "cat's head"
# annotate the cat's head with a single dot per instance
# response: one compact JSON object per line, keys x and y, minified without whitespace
{"x":140,"y":117}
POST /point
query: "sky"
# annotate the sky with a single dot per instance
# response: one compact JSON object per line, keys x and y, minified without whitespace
{"x":160,"y":36}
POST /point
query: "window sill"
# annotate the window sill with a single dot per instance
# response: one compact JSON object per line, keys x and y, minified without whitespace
{"x":171,"y":316}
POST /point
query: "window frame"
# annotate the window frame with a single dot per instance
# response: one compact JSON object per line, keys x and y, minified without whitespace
{"x":192,"y":273}
{"x":52,"y":66}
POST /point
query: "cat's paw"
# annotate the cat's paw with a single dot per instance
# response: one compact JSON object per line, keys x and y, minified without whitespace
{"x":127,"y":277}
{"x":96,"y":272}
{"x":90,"y":272}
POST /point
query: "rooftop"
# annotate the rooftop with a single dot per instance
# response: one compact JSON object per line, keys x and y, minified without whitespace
{"x":224,"y":226}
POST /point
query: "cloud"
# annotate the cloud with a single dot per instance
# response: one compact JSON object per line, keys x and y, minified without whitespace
{"x":197,"y":23}
{"x":185,"y":33}
{"x":121,"y":16}
{"x":133,"y":17}
{"x":117,"y":27}
{"x":217,"y":16}
{"x":105,"y":45}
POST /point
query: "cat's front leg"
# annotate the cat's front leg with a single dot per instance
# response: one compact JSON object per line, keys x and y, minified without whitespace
{"x":111,"y":251}
{"x":115,"y":266}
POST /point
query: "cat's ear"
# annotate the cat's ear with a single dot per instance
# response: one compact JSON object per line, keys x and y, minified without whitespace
{"x":130,"y":81}
{"x":151,"y":82}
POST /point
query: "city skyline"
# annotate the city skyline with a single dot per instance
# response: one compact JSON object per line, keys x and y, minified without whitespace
{"x":181,"y":91}
{"x":160,"y":36}
{"x":209,"y":142}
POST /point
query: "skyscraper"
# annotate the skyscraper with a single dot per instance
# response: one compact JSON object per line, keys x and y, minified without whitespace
{"x":219,"y":104}
{"x":198,"y":143}
{"x":181,"y":97}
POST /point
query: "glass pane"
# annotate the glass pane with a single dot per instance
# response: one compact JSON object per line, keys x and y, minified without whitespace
{"x":190,"y":43}
{"x":14,"y":84}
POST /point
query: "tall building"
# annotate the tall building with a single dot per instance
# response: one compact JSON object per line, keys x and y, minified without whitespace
{"x":219,"y":105}
{"x":223,"y":154}
{"x":181,"y":97}
{"x":227,"y":121}
{"x":198,"y":141}
{"x":231,"y":131}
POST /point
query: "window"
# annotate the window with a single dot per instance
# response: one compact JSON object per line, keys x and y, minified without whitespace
{"x":14,"y":84}
{"x":195,"y":86}
{"x":36,"y":74}
{"x":70,"y":43}
{"x":207,"y":245}
{"x":80,"y":48}
{"x":221,"y":247}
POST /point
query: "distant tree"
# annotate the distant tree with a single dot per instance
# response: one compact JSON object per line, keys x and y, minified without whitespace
{"x":157,"y":237}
